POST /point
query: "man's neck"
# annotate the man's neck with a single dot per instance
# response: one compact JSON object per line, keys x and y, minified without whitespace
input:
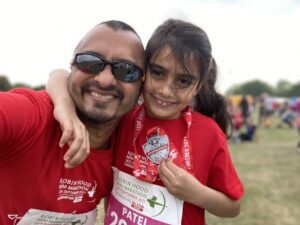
{"x":99,"y":134}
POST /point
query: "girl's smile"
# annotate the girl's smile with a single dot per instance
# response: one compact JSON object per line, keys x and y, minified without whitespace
{"x":162,"y":102}
{"x":169,"y":88}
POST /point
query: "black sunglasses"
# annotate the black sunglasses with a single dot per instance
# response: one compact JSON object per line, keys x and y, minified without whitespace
{"x":92,"y":63}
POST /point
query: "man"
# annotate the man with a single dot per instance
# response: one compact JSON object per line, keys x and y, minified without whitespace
{"x":105,"y":82}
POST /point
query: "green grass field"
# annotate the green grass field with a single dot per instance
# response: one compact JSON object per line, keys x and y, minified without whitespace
{"x":270,"y":170}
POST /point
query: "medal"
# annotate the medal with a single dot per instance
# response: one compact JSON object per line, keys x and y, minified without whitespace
{"x":159,"y":147}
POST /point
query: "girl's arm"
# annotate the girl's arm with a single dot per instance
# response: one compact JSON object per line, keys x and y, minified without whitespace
{"x":186,"y":187}
{"x":74,"y":132}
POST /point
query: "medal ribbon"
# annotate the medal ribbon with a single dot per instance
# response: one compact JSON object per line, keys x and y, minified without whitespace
{"x":184,"y":159}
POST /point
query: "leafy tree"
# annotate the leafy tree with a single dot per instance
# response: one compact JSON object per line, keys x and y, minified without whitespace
{"x":234,"y":89}
{"x":19,"y":84}
{"x":40,"y":87}
{"x":4,"y":83}
{"x":254,"y":88}
{"x":283,"y":88}
{"x":295,"y":90}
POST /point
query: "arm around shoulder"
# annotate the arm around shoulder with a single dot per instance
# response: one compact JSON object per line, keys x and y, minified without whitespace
{"x":74,"y":132}
{"x":57,"y":88}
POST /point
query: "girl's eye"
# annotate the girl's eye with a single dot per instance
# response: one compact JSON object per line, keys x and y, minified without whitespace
{"x":156,"y":72}
{"x":184,"y":82}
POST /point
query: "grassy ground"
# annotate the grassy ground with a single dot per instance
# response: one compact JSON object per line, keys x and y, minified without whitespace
{"x":270,"y":171}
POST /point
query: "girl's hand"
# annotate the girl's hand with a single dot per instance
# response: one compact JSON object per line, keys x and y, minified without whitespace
{"x":74,"y":134}
{"x":186,"y":187}
{"x":179,"y":182}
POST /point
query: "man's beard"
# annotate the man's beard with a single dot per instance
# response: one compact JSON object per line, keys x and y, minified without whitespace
{"x":94,"y":118}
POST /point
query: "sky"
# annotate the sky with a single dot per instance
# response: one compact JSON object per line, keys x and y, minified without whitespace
{"x":251,"y":39}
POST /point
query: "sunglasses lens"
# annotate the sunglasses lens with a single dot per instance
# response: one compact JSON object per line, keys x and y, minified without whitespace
{"x":126,"y":72}
{"x":89,"y":63}
{"x":92,"y":64}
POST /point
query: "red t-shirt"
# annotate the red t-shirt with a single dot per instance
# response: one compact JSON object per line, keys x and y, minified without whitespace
{"x":212,"y":162}
{"x":32,"y":172}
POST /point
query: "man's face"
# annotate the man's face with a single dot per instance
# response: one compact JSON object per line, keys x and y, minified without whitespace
{"x":101,"y":98}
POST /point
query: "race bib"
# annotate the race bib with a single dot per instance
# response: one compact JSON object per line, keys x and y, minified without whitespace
{"x":137,"y":202}
{"x":41,"y":217}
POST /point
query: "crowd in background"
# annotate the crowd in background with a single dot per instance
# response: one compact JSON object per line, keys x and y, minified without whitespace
{"x":249,"y":113}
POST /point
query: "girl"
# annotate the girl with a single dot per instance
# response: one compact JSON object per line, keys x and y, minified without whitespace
{"x":298,"y":128}
{"x":171,"y":157}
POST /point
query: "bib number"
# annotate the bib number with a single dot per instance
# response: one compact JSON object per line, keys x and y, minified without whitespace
{"x":116,"y":220}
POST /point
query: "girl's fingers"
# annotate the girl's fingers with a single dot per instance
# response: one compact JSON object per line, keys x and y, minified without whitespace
{"x":74,"y":147}
{"x":80,"y":154}
{"x":67,"y":135}
{"x":77,"y":158}
{"x":172,"y":167}
{"x":165,"y":172}
{"x":79,"y":147}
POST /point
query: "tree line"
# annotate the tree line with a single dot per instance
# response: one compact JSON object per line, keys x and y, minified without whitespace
{"x":6,"y":85}
{"x":255,"y":88}
{"x":283,"y":88}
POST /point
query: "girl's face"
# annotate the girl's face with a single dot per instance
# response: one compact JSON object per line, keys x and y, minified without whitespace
{"x":168,"y":88}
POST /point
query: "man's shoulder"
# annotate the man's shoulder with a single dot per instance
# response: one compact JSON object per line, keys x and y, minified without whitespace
{"x":32,"y":95}
{"x":37,"y":103}
{"x":28,"y":92}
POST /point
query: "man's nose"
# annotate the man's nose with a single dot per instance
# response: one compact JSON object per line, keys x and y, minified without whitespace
{"x":105,"y":78}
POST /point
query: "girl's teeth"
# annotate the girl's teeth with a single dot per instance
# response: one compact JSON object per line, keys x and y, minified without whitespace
{"x":161,"y":102}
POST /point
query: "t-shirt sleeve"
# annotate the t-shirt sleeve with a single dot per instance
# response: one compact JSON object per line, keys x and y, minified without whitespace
{"x":223,"y":175}
{"x":20,"y":117}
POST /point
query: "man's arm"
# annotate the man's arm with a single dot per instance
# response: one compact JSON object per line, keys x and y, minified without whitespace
{"x":19,"y":118}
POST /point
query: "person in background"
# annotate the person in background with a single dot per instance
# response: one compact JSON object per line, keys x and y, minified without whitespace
{"x":247,"y":131}
{"x":267,"y":110}
{"x":171,"y":161}
{"x":238,"y":122}
{"x":298,"y":128}
{"x":244,"y":105}
{"x":36,"y":186}
{"x":298,"y":122}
